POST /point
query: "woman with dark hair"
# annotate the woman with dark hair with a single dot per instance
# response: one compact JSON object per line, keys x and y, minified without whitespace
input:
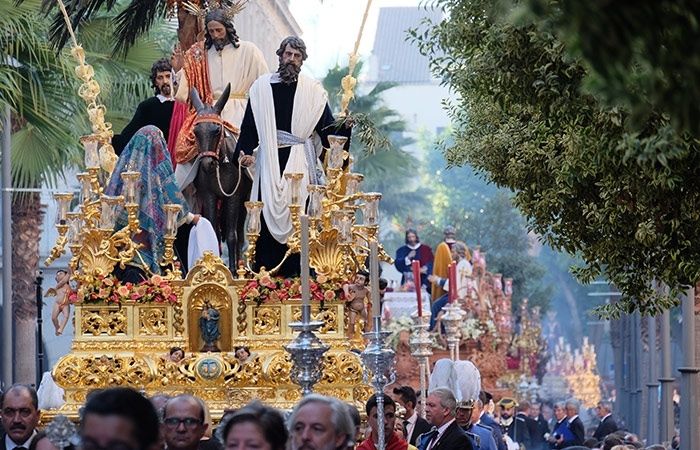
{"x":254,"y":426}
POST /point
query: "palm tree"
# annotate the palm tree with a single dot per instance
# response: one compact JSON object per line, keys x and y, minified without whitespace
{"x":386,"y":169}
{"x":40,"y":88}
{"x":35,"y":83}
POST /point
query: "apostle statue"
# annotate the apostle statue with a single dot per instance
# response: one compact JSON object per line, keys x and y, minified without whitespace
{"x":222,"y":58}
{"x":288,"y":119}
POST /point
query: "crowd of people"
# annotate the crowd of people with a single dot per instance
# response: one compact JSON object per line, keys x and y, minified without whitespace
{"x":125,"y":419}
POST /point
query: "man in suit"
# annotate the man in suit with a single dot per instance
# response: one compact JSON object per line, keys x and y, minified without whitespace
{"x":574,"y":423}
{"x":524,"y":413}
{"x":542,"y":427}
{"x":440,"y":409}
{"x":485,"y":404}
{"x":514,"y":426}
{"x":607,"y":424}
{"x":20,"y":416}
{"x":413,"y":424}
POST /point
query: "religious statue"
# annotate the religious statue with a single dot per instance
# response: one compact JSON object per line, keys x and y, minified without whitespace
{"x":209,"y":327}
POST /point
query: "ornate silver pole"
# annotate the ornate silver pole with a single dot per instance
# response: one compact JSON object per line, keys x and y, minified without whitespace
{"x":421,"y":349}
{"x":377,"y":356}
{"x":306,"y":349}
{"x":453,"y":317}
{"x":379,"y":359}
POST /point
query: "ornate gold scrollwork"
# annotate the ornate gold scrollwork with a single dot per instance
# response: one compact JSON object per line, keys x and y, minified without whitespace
{"x":153,"y":321}
{"x":267,"y":320}
{"x":103,"y":321}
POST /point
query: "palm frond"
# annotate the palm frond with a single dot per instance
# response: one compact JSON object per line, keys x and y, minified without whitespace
{"x":135,"y":20}
{"x":79,"y":12}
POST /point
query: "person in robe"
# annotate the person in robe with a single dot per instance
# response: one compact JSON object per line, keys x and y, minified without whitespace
{"x":464,"y":270}
{"x":411,"y":251}
{"x":157,"y":110}
{"x":443,"y":257}
{"x":210,"y":65}
{"x":288,"y":119}
{"x":146,"y":153}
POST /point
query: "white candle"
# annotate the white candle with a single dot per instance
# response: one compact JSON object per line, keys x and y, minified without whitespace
{"x":305,"y":289}
{"x":374,"y":278}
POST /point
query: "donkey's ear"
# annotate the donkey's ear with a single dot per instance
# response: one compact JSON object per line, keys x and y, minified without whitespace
{"x":196,"y":101}
{"x":221,"y":102}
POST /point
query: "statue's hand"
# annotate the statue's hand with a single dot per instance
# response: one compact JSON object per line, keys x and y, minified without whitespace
{"x":246,"y":160}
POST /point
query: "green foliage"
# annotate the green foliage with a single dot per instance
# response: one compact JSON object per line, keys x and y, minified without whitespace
{"x":621,"y":193}
{"x":33,"y":82}
{"x":388,"y":169}
{"x":639,"y":54}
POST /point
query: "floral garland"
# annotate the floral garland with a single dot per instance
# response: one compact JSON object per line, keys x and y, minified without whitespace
{"x":264,"y":288}
{"x":107,"y":289}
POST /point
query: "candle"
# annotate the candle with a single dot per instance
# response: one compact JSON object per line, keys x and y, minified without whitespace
{"x":452,"y":280}
{"x":374,"y":278}
{"x":305,"y":288}
{"x":415,"y":265}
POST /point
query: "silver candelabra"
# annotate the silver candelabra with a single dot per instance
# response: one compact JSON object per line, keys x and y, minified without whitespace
{"x":306,"y":350}
{"x":421,"y":349}
{"x":379,"y":359}
{"x":454,"y":315}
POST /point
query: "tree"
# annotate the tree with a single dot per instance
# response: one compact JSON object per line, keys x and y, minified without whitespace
{"x":36,"y":87}
{"x":591,"y":179}
{"x":389,"y":169}
{"x":40,"y":88}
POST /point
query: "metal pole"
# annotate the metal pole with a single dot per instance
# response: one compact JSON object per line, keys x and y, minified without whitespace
{"x":689,"y":373}
{"x":666,"y":380}
{"x":625,"y":394}
{"x":652,"y":386}
{"x":39,"y":327}
{"x":636,"y":373}
{"x":7,"y":378}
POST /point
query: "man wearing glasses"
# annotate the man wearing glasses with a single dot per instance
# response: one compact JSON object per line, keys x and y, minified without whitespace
{"x":20,"y":416}
{"x":183,"y":423}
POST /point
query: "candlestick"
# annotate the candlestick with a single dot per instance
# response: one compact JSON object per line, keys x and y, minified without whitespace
{"x":374,"y":278}
{"x":305,"y":288}
{"x":452,"y":280}
{"x":415,"y":265}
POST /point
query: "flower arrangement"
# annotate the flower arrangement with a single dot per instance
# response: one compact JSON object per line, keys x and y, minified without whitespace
{"x":107,"y":289}
{"x":264,"y":288}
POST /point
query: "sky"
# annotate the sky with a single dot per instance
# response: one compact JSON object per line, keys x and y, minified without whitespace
{"x":330,"y":29}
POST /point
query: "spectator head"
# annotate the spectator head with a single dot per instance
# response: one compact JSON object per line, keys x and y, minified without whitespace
{"x":253,"y":426}
{"x":603,"y":408}
{"x":320,"y":423}
{"x":440,"y":406}
{"x":507,"y":407}
{"x":406,"y":397}
{"x":118,"y":417}
{"x":571,"y":408}
{"x":611,"y":441}
{"x":487,"y":400}
{"x":559,"y":410}
{"x":373,"y":416}
{"x":357,"y":421}
{"x":184,"y":422}
{"x":524,"y":407}
{"x":591,"y":442}
{"x":20,"y":412}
